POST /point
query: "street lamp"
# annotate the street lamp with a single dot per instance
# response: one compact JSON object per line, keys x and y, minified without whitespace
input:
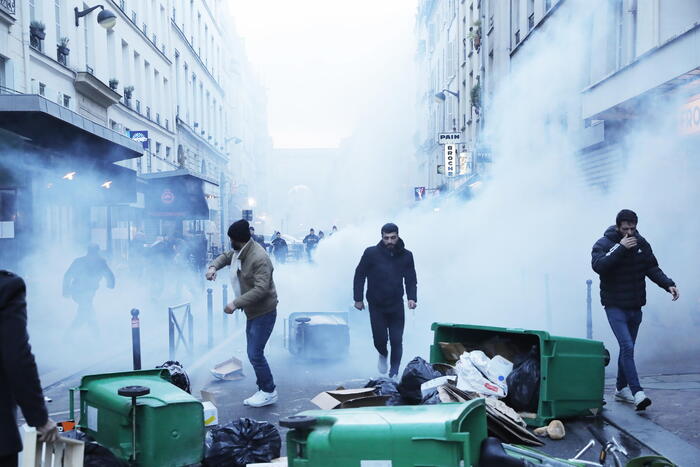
{"x":106,"y":18}
{"x":440,"y":96}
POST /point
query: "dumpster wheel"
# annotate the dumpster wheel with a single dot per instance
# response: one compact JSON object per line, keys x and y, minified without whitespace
{"x":298,"y":421}
{"x":606,"y":357}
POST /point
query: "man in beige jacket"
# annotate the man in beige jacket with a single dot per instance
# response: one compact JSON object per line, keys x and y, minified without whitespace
{"x":251,"y":279}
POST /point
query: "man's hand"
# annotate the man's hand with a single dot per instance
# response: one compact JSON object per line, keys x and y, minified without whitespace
{"x":360,"y":305}
{"x":211,"y":273}
{"x":673,"y":290}
{"x":628,"y":242}
{"x":49,"y":432}
{"x":412,"y":304}
{"x":230,"y":308}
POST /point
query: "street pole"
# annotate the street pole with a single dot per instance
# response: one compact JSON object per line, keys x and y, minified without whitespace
{"x":136,"y":338}
{"x":589,"y":311}
{"x":210,"y":318}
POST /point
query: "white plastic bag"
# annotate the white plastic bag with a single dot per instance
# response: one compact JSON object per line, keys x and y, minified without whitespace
{"x":480,"y":361}
{"x":469,"y":378}
{"x":498,"y":370}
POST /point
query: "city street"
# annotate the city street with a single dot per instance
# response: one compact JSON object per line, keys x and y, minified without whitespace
{"x":476,"y":214}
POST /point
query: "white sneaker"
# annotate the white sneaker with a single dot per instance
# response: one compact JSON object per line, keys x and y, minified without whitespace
{"x":641,"y":401}
{"x":624,"y":395}
{"x":261,"y":399}
{"x":382,"y":365}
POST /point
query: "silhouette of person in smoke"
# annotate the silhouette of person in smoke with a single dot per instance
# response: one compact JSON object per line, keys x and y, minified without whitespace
{"x":81,"y":281}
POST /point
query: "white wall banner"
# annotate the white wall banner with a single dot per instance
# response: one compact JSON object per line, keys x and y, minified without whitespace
{"x":450,"y":159}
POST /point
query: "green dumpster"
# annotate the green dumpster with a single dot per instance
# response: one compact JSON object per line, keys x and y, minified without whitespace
{"x":169,"y":421}
{"x":572,"y":371}
{"x":442,"y":435}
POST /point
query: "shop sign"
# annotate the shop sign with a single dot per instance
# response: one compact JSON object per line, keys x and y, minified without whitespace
{"x":690,"y":116}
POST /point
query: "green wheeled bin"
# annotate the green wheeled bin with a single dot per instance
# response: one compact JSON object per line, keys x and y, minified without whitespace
{"x":441,"y":435}
{"x":572,"y":371}
{"x":169,"y":421}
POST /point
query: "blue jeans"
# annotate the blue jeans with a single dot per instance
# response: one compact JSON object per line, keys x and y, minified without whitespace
{"x":258,"y":331}
{"x":625,"y":325}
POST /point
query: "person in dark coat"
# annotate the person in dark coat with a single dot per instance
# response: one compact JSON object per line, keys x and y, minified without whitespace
{"x":81,"y":281}
{"x":311,"y":242}
{"x":19,"y":379}
{"x":624,"y":259}
{"x":387,"y":267}
{"x":279,"y":248}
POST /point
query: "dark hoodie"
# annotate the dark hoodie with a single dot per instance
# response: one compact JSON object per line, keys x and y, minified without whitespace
{"x":385,"y":271}
{"x":622,"y":272}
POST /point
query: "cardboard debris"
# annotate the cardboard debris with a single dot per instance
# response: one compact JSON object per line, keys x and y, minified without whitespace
{"x":279,"y":462}
{"x":371,"y":401}
{"x":230,"y":370}
{"x":452,"y":350}
{"x":328,"y":400}
{"x":503,"y":408}
{"x":499,"y":425}
{"x":211,"y":414}
{"x":445,"y":396}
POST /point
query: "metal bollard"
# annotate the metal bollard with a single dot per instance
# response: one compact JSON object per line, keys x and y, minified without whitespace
{"x":589,"y":312}
{"x":224,"y":299}
{"x":136,"y":338}
{"x":210,"y":318}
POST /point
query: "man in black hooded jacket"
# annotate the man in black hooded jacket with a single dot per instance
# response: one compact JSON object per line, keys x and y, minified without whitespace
{"x":386,"y":266}
{"x":624,"y":259}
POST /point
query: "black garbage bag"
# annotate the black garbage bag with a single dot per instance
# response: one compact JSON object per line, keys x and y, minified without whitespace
{"x":431,"y":398}
{"x":524,"y":383}
{"x":417,"y":372}
{"x":242,"y":442}
{"x":388,"y":387}
{"x":96,"y":455}
{"x":177,"y":375}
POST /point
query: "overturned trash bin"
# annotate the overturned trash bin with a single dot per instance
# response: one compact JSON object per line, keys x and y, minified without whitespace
{"x":318,"y":336}
{"x":169,"y":422}
{"x":403,"y":436}
{"x":563,"y":376}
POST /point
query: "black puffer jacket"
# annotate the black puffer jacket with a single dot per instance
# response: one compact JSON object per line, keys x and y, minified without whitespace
{"x":385,"y":271}
{"x":623,"y":272}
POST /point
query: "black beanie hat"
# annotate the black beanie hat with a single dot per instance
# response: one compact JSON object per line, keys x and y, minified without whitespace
{"x":239,"y":231}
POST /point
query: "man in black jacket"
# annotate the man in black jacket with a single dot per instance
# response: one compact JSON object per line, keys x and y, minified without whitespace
{"x":19,"y":380}
{"x":386,"y":266}
{"x":623,"y":259}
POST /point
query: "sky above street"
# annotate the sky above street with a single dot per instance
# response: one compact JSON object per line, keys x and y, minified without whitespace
{"x":323,"y":60}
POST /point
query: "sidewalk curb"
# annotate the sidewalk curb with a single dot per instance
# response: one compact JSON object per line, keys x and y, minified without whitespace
{"x":635,"y":424}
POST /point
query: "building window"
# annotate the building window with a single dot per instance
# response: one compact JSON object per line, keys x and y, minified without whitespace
{"x":167,"y":153}
{"x":57,"y":9}
{"x":158,"y":148}
{"x":66,"y":101}
{"x":42,"y":89}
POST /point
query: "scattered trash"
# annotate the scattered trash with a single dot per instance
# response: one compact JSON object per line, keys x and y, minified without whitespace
{"x":432,"y":385}
{"x":555,"y":430}
{"x":452,"y":350}
{"x":229,"y":370}
{"x":242,"y":442}
{"x":211,"y":413}
{"x":387,"y":387}
{"x":501,"y":406}
{"x":96,"y":455}
{"x":177,"y":375}
{"x":328,"y":400}
{"x":470,"y":379}
{"x":499,"y":425}
{"x":417,"y":372}
{"x":583,"y":450}
{"x":524,"y":383}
